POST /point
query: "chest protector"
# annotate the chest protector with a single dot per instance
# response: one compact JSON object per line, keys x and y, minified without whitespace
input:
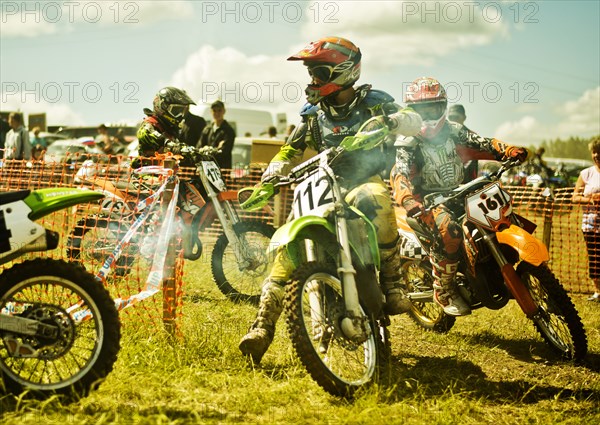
{"x":442,"y":167}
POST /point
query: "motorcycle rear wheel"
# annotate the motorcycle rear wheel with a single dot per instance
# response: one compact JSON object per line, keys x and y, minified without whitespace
{"x":83,"y":352}
{"x":557,"y":322}
{"x":337,"y":364}
{"x":426,"y":314}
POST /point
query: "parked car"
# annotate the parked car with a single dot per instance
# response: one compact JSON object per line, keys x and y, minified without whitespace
{"x":71,"y":151}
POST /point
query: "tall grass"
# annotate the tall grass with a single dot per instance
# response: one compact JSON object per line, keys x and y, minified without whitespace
{"x":490,"y":368}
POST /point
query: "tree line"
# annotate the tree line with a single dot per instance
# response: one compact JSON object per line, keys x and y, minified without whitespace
{"x":573,"y":147}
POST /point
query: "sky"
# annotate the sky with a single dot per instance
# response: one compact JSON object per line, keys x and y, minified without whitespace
{"x":526,"y":71}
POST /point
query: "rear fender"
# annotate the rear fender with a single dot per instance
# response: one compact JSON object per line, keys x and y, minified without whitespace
{"x":530,"y":249}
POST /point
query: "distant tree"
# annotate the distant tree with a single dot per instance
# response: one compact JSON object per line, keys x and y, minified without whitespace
{"x":573,"y":147}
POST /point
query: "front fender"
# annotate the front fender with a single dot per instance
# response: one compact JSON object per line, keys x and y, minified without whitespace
{"x":530,"y":249}
{"x":289,"y":231}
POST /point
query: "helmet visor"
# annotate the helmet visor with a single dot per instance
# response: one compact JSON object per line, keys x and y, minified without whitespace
{"x":177,"y":111}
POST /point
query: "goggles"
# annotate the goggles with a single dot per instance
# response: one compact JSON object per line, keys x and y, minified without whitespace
{"x":429,"y":111}
{"x":321,"y":73}
{"x":177,"y":111}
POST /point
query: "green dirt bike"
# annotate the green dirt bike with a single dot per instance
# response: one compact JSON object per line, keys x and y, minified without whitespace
{"x":333,"y":301}
{"x":59,"y":328}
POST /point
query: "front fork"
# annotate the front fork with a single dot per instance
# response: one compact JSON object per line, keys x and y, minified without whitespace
{"x":511,"y":278}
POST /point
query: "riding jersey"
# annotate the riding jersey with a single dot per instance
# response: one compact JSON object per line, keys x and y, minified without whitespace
{"x":431,"y":165}
{"x":330,"y":126}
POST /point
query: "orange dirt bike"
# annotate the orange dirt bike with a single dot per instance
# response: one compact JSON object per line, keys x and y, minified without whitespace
{"x":501,"y":260}
{"x":239,"y":262}
{"x":59,"y":329}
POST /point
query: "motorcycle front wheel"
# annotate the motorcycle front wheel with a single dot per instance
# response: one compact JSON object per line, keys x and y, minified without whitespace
{"x":315,"y":309}
{"x":242,"y":280}
{"x":426,"y":314}
{"x":93,"y":239}
{"x":557,"y":320}
{"x":82,"y":352}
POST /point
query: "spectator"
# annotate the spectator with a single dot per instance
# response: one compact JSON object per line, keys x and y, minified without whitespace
{"x":38,"y":144}
{"x":191,"y":128}
{"x":4,"y":128}
{"x":456,"y":113}
{"x":272,"y":132}
{"x":104,"y":141}
{"x":289,"y":130}
{"x":219,"y":135}
{"x":17,"y":139}
{"x":587,"y":192}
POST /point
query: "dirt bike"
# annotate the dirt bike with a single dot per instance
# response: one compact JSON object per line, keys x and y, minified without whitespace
{"x":46,"y":347}
{"x":333,"y":301}
{"x":238,"y":262}
{"x":496,"y":239}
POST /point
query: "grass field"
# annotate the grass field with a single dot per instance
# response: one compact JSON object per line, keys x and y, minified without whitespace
{"x":490,"y":368}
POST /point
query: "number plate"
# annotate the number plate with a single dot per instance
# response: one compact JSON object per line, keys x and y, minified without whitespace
{"x":488,"y":206}
{"x":312,"y":196}
{"x":213,"y":173}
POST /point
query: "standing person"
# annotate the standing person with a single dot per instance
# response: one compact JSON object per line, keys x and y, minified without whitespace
{"x":334,"y":64}
{"x":587,"y":192}
{"x":456,"y":113}
{"x":103,"y":140}
{"x":162,"y":122}
{"x":191,"y":128}
{"x":429,"y":162}
{"x":272,"y":132}
{"x":289,"y":130}
{"x":4,"y":129}
{"x":38,"y":144}
{"x":17,"y":145}
{"x":219,"y":134}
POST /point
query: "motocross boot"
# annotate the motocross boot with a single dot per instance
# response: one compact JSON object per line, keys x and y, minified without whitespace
{"x":260,"y":335}
{"x":444,"y":288}
{"x":396,"y":301}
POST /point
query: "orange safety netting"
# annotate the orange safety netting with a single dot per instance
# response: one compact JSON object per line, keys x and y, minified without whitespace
{"x":558,"y":224}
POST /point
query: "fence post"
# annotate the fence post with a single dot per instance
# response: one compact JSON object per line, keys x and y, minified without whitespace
{"x":548,"y":212}
{"x":169,"y":284}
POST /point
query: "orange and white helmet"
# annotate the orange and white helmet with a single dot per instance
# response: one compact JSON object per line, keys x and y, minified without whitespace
{"x":333,"y":64}
{"x":428,"y":98}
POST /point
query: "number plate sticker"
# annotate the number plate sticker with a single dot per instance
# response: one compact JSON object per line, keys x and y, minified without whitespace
{"x":487,"y":206}
{"x":312,"y":196}
{"x":211,"y":169}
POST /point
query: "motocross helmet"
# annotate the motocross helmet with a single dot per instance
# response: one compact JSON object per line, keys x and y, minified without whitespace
{"x":428,"y":98}
{"x":333,"y":64}
{"x":171,"y":104}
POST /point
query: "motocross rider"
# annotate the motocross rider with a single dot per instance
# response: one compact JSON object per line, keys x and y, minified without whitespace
{"x":429,"y":162}
{"x":334,"y":66}
{"x":163,"y":123}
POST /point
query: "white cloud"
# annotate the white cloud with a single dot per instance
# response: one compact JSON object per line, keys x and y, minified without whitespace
{"x":406,"y":32}
{"x":34,"y":19}
{"x":56,"y":113}
{"x":258,"y":82}
{"x":580,"y":117}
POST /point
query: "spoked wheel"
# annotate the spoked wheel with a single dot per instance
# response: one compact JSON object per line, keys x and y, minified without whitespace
{"x":315,"y":310}
{"x":80,"y":341}
{"x":242,"y":281}
{"x":424,"y":311}
{"x":557,"y":321}
{"x":93,"y":239}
